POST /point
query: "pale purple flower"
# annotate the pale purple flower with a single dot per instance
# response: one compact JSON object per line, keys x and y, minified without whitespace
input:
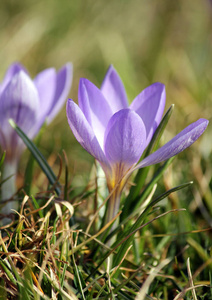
{"x":29,"y":103}
{"x":117,"y":133}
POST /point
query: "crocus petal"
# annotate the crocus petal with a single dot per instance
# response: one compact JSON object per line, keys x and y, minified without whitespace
{"x":20,"y":102}
{"x":83,"y":131}
{"x":125,"y":138}
{"x":63,"y":85}
{"x":11,"y":71}
{"x":45,"y":82}
{"x":95,"y":108}
{"x":180,"y":142}
{"x":149,"y":104}
{"x":19,"y":97}
{"x":113,"y":90}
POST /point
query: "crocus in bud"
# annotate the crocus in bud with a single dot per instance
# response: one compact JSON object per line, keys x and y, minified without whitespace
{"x":29,"y":103}
{"x":117,"y":133}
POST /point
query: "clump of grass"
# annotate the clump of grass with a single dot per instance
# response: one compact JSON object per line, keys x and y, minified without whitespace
{"x":44,"y":256}
{"x":34,"y":250}
{"x":53,"y":250}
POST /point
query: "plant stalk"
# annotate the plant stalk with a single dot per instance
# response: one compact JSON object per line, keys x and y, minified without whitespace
{"x":8,"y":188}
{"x":112,"y":211}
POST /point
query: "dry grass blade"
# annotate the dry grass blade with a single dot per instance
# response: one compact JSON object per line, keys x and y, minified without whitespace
{"x":108,"y":274}
{"x":148,"y":199}
{"x":202,"y":267}
{"x":153,"y":273}
{"x":104,"y":246}
{"x":123,"y":258}
{"x":43,"y":224}
{"x":36,"y":282}
{"x":129,"y":279}
{"x":191,"y":279}
{"x":48,"y":255}
{"x":94,"y":236}
{"x":176,"y":234}
{"x":26,"y":198}
{"x":182,"y":294}
{"x":66,"y":204}
{"x":41,"y":208}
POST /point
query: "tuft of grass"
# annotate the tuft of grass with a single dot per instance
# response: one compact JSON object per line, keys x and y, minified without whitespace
{"x":44,"y":256}
{"x":51,"y":250}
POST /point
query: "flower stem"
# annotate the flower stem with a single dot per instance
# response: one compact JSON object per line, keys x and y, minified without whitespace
{"x":8,"y":188}
{"x":112,"y":210}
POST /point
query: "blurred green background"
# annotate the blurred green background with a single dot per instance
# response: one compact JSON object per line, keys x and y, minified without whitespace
{"x":146,"y":41}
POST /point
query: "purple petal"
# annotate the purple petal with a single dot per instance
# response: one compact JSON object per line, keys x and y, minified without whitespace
{"x":20,"y":102}
{"x":125,"y":138}
{"x":181,"y":141}
{"x":11,"y":71}
{"x":83,"y":131}
{"x":113,"y":90}
{"x":95,"y":108}
{"x":63,"y":85}
{"x":149,"y":104}
{"x":45,"y":82}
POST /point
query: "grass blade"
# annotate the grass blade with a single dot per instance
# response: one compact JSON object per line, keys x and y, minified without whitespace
{"x":38,"y":156}
{"x":2,"y":158}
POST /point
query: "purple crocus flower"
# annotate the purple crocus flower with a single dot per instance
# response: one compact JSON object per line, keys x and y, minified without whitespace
{"x":29,"y":103}
{"x":117,"y":133}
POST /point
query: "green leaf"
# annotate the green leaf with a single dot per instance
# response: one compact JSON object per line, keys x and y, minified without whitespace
{"x":38,"y":156}
{"x":140,"y":198}
{"x":2,"y":158}
{"x":78,"y":279}
{"x":153,"y":145}
{"x":28,"y":176}
{"x":7,"y":271}
{"x":37,"y":206}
